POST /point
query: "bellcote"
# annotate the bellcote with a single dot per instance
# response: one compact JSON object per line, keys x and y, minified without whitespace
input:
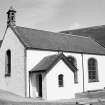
{"x":11,"y":16}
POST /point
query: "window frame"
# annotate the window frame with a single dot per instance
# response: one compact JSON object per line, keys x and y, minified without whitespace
{"x":61,"y":80}
{"x":8,"y":63}
{"x":92,"y":70}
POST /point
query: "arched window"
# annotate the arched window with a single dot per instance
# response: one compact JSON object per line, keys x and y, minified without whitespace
{"x":73,"y":61}
{"x":60,"y":80}
{"x":8,"y":63}
{"x":92,"y":70}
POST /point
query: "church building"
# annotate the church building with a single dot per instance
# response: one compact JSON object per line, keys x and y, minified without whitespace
{"x":48,"y":65}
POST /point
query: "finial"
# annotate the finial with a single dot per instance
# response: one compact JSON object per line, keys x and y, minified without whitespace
{"x":11,"y":8}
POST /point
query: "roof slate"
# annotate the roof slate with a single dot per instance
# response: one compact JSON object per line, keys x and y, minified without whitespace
{"x":44,"y":40}
{"x":46,"y":63}
{"x":96,"y":32}
{"x":49,"y":62}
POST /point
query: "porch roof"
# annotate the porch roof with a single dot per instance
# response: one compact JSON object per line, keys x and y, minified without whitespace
{"x":47,"y":63}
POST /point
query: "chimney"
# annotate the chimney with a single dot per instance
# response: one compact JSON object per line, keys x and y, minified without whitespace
{"x":11,"y":17}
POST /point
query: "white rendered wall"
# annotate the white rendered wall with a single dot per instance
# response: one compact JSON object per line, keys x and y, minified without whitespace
{"x":35,"y":56}
{"x":55,"y":92}
{"x":101,"y":72}
{"x":16,"y":82}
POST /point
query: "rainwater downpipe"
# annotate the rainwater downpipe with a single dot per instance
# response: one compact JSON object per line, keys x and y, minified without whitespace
{"x":83,"y":73}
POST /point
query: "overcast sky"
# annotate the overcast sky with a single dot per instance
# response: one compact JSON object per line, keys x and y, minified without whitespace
{"x":54,"y":15}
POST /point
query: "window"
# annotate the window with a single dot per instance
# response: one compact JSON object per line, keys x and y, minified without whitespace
{"x":92,"y":70}
{"x":73,"y":61}
{"x":60,"y":80}
{"x":8,"y":63}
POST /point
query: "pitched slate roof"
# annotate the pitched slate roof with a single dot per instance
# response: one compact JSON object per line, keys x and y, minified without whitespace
{"x":96,"y":32}
{"x":44,"y":40}
{"x":49,"y":62}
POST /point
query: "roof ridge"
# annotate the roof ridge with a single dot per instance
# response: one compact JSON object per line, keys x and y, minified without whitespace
{"x":63,"y":34}
{"x":35,"y":29}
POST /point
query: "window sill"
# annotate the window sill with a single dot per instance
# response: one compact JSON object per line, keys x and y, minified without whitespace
{"x":61,"y":86}
{"x":7,"y":75}
{"x":75,"y":82}
{"x":91,"y":81}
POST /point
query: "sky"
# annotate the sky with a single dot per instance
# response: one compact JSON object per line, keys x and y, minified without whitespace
{"x":54,"y":15}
